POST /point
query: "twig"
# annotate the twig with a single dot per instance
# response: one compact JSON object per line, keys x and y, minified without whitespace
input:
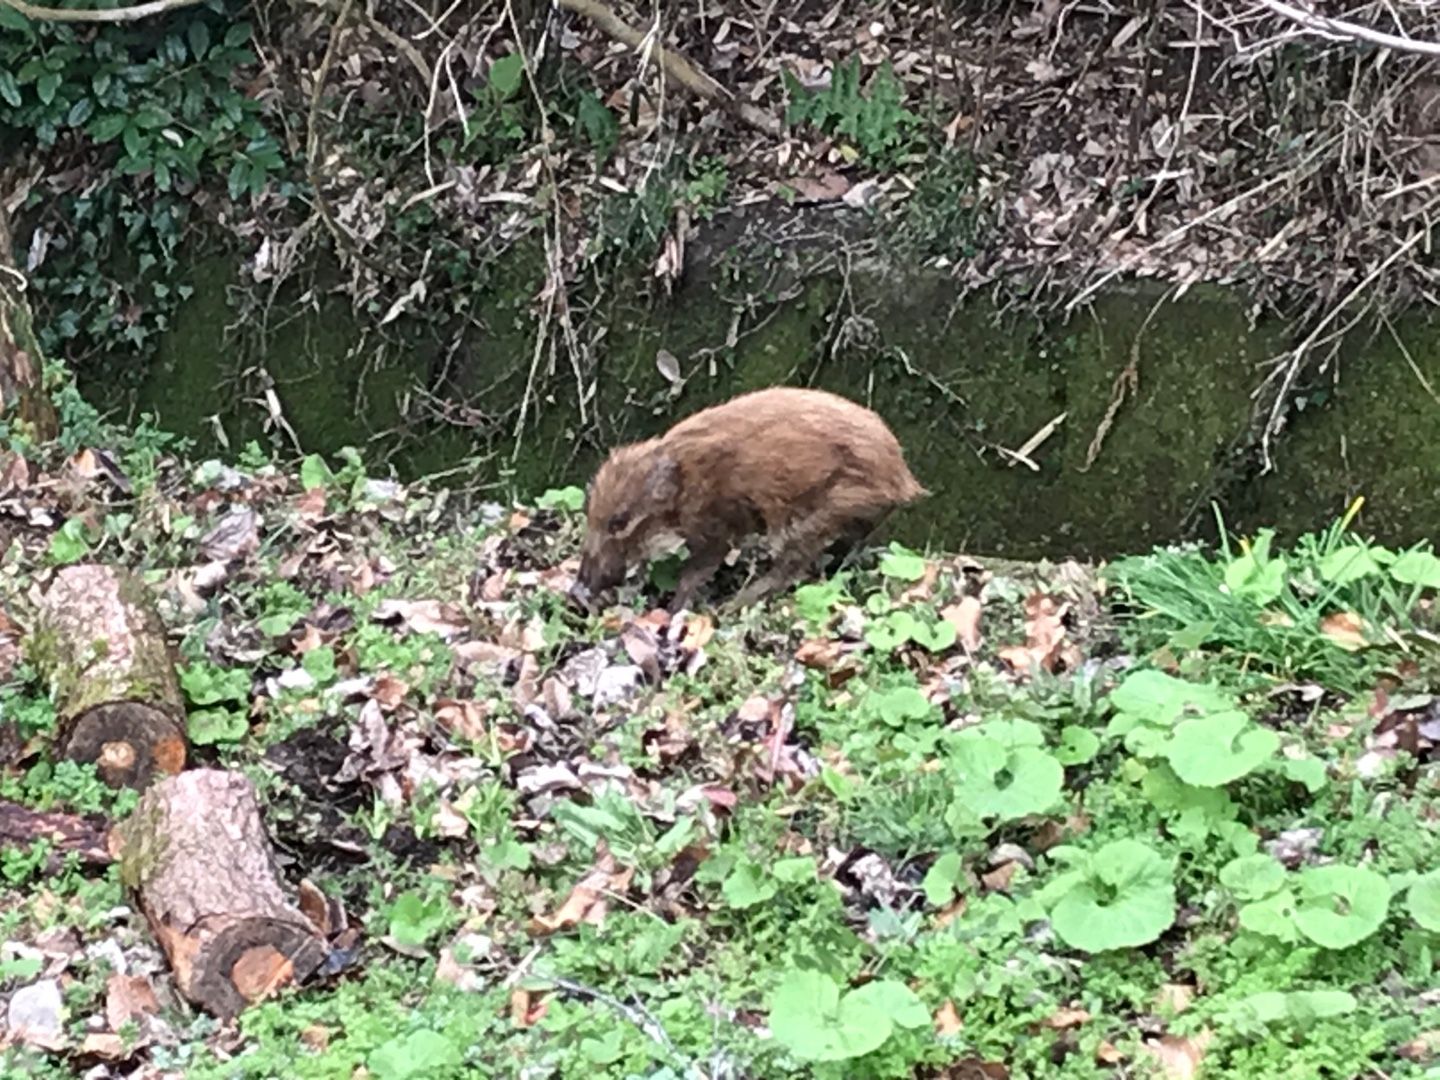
{"x":1127,"y":384}
{"x":1343,"y":30}
{"x":132,"y":13}
{"x":676,"y":66}
{"x":1298,"y":354}
{"x":1179,"y":129}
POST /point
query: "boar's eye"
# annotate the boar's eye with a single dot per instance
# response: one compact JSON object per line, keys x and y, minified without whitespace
{"x":617,"y":523}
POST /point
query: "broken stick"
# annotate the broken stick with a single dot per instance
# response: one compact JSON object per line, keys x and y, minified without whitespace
{"x":100,"y":647}
{"x":196,"y":856}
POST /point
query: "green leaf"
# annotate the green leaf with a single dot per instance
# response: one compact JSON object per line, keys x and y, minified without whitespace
{"x":747,"y":886}
{"x":1274,"y":917}
{"x":1347,"y":564}
{"x":70,"y":543}
{"x":315,"y":473}
{"x":1214,"y":750}
{"x":108,"y":127}
{"x":1255,"y":575}
{"x":1253,"y":877}
{"x":1417,"y":567}
{"x":198,"y":35}
{"x":506,"y":73}
{"x":1077,"y":746}
{"x":46,"y":86}
{"x":1162,"y":699}
{"x":319,"y":664}
{"x":943,"y":879}
{"x":206,"y":684}
{"x":795,"y":871}
{"x":415,"y":920}
{"x":993,"y":781}
{"x":566,"y":498}
{"x":893,"y":999}
{"x":1308,"y":771}
{"x":9,"y":89}
{"x":410,"y":1057}
{"x":902,"y":564}
{"x":1296,"y":1006}
{"x":210,"y":727}
{"x":1125,"y":897}
{"x":237,"y":35}
{"x":80,"y":111}
{"x":1423,"y":901}
{"x":1340,"y":906}
{"x":898,"y":705}
{"x":809,"y":1018}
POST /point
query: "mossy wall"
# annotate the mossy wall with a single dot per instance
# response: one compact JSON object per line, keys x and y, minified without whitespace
{"x":958,"y":382}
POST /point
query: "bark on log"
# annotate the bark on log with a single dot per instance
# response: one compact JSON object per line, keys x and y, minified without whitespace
{"x":100,"y":646}
{"x":196,"y":855}
{"x":23,"y":401}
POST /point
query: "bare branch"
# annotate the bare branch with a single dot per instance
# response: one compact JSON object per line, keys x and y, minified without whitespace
{"x":111,"y":15}
{"x":1339,"y":28}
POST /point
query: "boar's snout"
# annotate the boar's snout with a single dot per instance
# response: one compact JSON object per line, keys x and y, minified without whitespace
{"x":601,"y":568}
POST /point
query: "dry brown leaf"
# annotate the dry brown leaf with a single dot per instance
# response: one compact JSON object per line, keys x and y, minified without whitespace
{"x":311,"y":505}
{"x":1424,"y":1047}
{"x":316,"y":1037}
{"x":389,"y":691}
{"x":526,"y":1009}
{"x":463,"y":720}
{"x":588,"y":902}
{"x":1061,"y":1019}
{"x":106,"y":1046}
{"x":699,"y":629}
{"x":309,"y":639}
{"x":965,"y":617}
{"x":1107,"y":1053}
{"x":998,"y":880}
{"x":1174,"y":998}
{"x":423,"y":616}
{"x":1179,"y":1057}
{"x":827,"y":187}
{"x":128,"y":998}
{"x":1346,"y":629}
{"x":947,"y":1020}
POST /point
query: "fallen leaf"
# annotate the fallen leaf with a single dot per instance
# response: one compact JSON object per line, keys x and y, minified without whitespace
{"x":422,"y":616}
{"x":1107,"y":1053}
{"x":389,"y":691}
{"x":1174,"y":998}
{"x":128,"y":998}
{"x":1346,"y":629}
{"x":1061,"y":1019}
{"x":947,"y":1020}
{"x":311,"y":505}
{"x":965,"y":617}
{"x":463,"y":720}
{"x":1179,"y":1057}
{"x":526,"y":1009}
{"x":998,"y":880}
{"x":588,"y":902}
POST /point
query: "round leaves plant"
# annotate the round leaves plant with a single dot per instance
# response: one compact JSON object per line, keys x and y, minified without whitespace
{"x":815,"y":1022}
{"x":1118,"y":897}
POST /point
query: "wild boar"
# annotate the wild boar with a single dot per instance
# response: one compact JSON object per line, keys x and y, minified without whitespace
{"x":801,"y":467}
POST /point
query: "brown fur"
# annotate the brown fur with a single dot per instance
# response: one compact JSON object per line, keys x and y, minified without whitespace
{"x":800,"y":466}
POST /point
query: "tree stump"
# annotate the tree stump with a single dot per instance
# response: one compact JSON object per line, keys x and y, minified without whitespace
{"x":100,"y":646}
{"x":196,"y":855}
{"x":23,"y":401}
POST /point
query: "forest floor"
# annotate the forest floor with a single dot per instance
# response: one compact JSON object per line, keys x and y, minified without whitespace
{"x":940,"y":816}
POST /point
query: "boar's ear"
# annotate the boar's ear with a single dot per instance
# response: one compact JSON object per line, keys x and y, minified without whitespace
{"x":662,"y":483}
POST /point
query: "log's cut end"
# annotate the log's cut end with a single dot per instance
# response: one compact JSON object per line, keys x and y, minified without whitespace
{"x":100,"y":645}
{"x":196,"y":855}
{"x":130,"y":743}
{"x":232,"y":962}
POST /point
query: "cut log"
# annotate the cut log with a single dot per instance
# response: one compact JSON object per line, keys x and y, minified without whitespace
{"x":100,"y":647}
{"x":66,"y":834}
{"x":196,"y":856}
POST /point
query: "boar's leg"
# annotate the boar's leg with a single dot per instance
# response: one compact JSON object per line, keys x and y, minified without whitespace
{"x":700,"y":567}
{"x":800,"y":553}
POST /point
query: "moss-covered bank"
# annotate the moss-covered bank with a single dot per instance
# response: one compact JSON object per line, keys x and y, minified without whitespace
{"x":961,"y":384}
